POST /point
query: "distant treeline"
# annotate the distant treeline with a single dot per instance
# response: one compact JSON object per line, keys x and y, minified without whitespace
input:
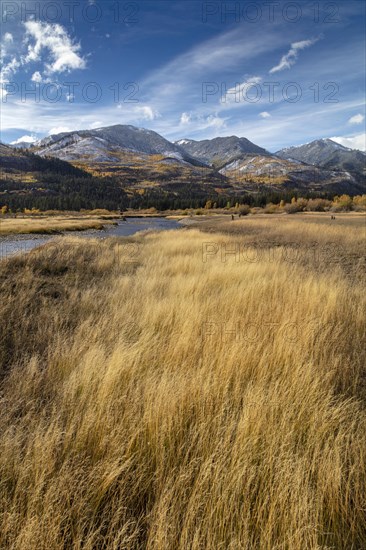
{"x":152,"y":200}
{"x":60,"y":186}
{"x":61,"y":192}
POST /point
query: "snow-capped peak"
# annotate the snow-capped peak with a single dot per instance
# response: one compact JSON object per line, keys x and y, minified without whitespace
{"x":183,"y":141}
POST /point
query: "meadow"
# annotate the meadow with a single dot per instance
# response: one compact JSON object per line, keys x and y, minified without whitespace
{"x":201,"y":388}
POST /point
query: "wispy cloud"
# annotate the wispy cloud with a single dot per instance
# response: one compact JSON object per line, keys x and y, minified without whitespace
{"x":181,"y":79}
{"x":264,"y":114}
{"x":289,"y":59}
{"x":237,"y":93}
{"x":193,"y":122}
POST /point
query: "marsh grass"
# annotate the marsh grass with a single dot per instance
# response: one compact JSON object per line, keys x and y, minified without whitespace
{"x":139,"y":410}
{"x":49,"y":225}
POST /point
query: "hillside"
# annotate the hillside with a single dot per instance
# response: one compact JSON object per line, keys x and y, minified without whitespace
{"x":327,"y":154}
{"x":28,"y":180}
{"x":107,"y":144}
{"x":280,"y":174}
{"x":221,"y":150}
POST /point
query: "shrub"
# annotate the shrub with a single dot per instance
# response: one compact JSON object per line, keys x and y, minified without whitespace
{"x":301,"y":204}
{"x":31,"y":212}
{"x":271,"y":208}
{"x":318,"y":205}
{"x":291,"y":208}
{"x":342,"y":204}
{"x":359,"y":203}
{"x":244,"y":210}
{"x":256,"y":210}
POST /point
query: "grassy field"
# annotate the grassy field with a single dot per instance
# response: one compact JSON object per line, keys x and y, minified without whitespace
{"x":192,"y":389}
{"x":50,"y":224}
{"x":312,"y":239}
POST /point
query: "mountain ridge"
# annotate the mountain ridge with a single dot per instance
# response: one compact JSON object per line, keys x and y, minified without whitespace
{"x":142,"y":163}
{"x":109,"y":140}
{"x":326,"y":154}
{"x":221,"y":150}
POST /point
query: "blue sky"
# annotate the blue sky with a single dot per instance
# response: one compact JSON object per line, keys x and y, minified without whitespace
{"x":280,"y":74}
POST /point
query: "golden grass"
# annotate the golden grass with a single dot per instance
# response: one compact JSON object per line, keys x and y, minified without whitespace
{"x":51,"y":224}
{"x":151,"y":399}
{"x":311,"y":239}
{"x":319,"y":229}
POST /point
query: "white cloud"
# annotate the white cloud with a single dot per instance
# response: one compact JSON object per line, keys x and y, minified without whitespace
{"x":59,"y":130}
{"x":353,"y":142}
{"x":356,"y":119}
{"x":96,"y":124}
{"x":143,"y":112}
{"x":215,"y":122}
{"x":64,"y":53}
{"x":185,"y":118}
{"x":7,"y":71}
{"x":36,"y":77}
{"x":24,"y":139}
{"x":147,"y":113}
{"x":290,"y":58}
{"x":264,"y":114}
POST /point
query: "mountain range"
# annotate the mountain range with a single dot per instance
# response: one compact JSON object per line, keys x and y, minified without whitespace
{"x":143,"y":164}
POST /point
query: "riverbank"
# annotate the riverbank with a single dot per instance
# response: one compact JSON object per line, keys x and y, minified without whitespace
{"x":51,"y":224}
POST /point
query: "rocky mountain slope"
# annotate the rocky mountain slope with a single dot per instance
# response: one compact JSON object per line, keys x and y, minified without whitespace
{"x":221,"y":150}
{"x":107,"y":144}
{"x":327,"y":154}
{"x":280,"y":174}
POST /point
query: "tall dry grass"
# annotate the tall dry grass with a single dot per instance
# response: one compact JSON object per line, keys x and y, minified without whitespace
{"x":311,"y":239}
{"x":154,"y":400}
